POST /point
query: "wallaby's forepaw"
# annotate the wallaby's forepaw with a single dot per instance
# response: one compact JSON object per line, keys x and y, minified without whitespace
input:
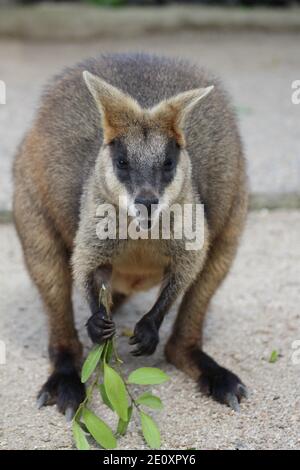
{"x":223,"y":386}
{"x":145,"y":336}
{"x":100,"y":328}
{"x":65,"y":389}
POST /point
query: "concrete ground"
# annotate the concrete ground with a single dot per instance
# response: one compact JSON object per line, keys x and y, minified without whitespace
{"x":255,"y":312}
{"x":258,"y":69}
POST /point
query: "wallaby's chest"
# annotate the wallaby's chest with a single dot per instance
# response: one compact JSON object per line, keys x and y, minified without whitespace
{"x":139,"y":267}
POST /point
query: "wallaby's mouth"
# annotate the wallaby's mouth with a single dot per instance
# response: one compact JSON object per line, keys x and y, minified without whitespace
{"x":148,"y":223}
{"x":146,"y":204}
{"x":147,"y":215}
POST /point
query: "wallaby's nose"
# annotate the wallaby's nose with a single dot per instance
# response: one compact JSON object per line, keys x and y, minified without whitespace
{"x":146,"y":201}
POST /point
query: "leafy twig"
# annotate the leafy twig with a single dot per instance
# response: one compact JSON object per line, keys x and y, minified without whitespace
{"x":115,"y":391}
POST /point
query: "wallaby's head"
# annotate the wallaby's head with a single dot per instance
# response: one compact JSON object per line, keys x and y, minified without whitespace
{"x":143,"y":158}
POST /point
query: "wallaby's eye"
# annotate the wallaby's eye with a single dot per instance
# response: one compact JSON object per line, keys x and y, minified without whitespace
{"x":122,"y":164}
{"x":168,"y":164}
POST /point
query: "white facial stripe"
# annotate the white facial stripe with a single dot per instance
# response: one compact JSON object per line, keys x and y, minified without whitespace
{"x":114,"y":187}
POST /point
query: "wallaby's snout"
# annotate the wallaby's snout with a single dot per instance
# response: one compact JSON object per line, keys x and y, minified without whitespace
{"x":148,"y":200}
{"x":146,"y":205}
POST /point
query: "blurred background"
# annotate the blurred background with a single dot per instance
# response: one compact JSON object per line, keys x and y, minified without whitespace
{"x":164,"y":2}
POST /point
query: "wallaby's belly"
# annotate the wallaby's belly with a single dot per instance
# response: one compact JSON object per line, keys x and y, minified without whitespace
{"x":128,"y":282}
{"x":138,"y":269}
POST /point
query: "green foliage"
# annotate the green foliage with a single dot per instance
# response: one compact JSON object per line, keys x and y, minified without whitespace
{"x":147,"y":399}
{"x":104,"y":396}
{"x":91,"y":363}
{"x":150,"y":431}
{"x":79,"y":437}
{"x":116,"y":392}
{"x":274,"y":357}
{"x":104,"y":364}
{"x":147,"y":376}
{"x":107,"y":351}
{"x":123,"y":425}
{"x":100,"y":431}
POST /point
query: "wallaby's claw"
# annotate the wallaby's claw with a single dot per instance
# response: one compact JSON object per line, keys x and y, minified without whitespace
{"x":70,"y":413}
{"x":233,"y":402}
{"x":243,"y":390}
{"x":145,"y":337}
{"x":99,"y":328}
{"x":43,"y":399}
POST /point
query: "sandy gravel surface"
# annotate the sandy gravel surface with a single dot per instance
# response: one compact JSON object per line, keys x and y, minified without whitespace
{"x":258,"y":70}
{"x":255,"y":312}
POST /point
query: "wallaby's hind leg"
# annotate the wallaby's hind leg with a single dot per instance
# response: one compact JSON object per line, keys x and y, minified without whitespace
{"x":48,"y":264}
{"x":184,"y":346}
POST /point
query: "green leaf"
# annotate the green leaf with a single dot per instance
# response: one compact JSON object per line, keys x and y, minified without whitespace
{"x":107,"y":351}
{"x":150,"y":400}
{"x":79,"y":437}
{"x":100,"y":431}
{"x":104,"y":396}
{"x":147,"y":376}
{"x":274,"y":357}
{"x":123,"y":425}
{"x":90,"y":363}
{"x":150,"y":431}
{"x":116,"y":391}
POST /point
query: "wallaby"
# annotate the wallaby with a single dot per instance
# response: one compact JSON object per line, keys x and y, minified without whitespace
{"x":139,"y":127}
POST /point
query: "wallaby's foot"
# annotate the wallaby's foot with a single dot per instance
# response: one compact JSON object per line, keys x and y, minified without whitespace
{"x":214,"y":380}
{"x":100,"y":328}
{"x":63,"y":388}
{"x":145,"y":336}
{"x":222,"y":384}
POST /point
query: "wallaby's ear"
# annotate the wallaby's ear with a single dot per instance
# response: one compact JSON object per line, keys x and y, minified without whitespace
{"x":173,"y":111}
{"x":118,"y":110}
